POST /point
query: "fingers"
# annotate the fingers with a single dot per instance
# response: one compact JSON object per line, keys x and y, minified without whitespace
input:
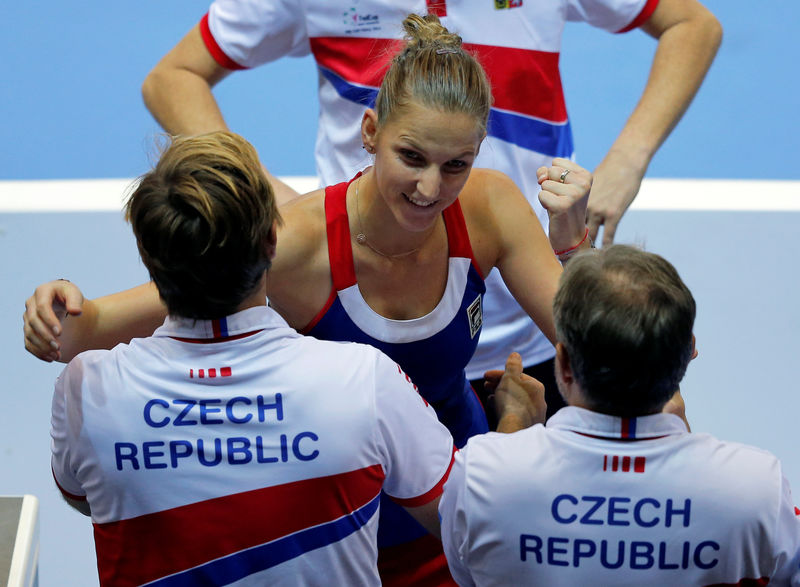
{"x":609,"y":231}
{"x":41,"y":346}
{"x":514,"y":365}
{"x":40,"y":349}
{"x":593,"y":223}
{"x":44,"y":311}
{"x":491,"y":379}
{"x":73,"y":301}
{"x":563,"y":183}
{"x":41,"y":320}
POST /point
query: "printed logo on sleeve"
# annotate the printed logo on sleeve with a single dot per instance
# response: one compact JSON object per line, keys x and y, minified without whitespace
{"x":501,"y":4}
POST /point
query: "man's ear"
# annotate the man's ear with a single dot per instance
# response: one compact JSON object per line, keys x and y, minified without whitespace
{"x":562,"y":364}
{"x":694,"y":348}
{"x":272,"y":240}
{"x":369,"y":129}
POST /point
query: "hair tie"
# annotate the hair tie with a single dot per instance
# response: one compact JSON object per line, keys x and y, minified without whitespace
{"x":446,"y":50}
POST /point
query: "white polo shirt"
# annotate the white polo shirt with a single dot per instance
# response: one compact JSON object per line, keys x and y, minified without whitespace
{"x":236,"y":451}
{"x":518,"y":45}
{"x":592,"y":499}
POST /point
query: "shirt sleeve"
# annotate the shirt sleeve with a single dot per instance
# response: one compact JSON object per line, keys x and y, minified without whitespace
{"x":614,"y":16}
{"x":247,"y":33}
{"x":452,"y":515}
{"x":417,"y":449}
{"x":63,"y":432}
{"x":787,"y":541}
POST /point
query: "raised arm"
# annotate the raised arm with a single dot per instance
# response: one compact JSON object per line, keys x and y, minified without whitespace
{"x":688,"y":38}
{"x":178,"y":94}
{"x":59,"y":323}
{"x":509,"y":236}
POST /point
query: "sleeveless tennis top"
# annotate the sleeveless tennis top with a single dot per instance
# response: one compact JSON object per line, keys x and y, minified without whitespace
{"x":433,"y":349}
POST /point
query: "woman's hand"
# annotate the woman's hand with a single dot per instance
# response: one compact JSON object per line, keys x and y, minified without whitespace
{"x":565,"y":194}
{"x":44,"y":314}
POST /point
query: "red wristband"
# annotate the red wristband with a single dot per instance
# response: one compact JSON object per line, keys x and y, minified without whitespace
{"x":569,"y":250}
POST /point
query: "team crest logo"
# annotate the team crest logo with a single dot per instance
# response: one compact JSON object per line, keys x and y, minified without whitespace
{"x":475,"y":316}
{"x":501,"y":4}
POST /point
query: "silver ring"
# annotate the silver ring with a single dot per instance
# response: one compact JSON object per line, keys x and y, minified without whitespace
{"x":564,"y":175}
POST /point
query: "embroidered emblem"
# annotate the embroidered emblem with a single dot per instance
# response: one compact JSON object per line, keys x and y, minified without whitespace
{"x":475,"y":315}
{"x":501,"y":4}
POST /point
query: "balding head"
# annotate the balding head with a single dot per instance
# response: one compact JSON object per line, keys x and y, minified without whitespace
{"x":625,"y":319}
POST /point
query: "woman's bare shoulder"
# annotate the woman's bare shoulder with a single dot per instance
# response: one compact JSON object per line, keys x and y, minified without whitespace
{"x":299,"y":280}
{"x":303,"y":229}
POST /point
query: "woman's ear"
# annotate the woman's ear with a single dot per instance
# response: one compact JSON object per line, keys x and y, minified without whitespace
{"x":369,"y":130}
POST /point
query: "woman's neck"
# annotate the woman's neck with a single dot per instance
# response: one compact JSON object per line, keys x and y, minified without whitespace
{"x":374,"y":227}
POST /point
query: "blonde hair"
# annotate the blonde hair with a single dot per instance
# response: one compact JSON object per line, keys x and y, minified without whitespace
{"x":201,"y":218}
{"x":434,"y":69}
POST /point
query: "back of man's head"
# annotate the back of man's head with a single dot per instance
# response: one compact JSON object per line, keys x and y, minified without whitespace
{"x":202,"y":220}
{"x":625,"y":318}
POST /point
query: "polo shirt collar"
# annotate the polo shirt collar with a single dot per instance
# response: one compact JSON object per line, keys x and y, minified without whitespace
{"x":598,"y":425}
{"x":236,"y":325}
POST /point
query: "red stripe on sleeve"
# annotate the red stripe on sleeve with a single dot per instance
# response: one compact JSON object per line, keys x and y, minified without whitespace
{"x":66,"y":493}
{"x":644,"y":15}
{"x":216,"y":52}
{"x":430,"y":495}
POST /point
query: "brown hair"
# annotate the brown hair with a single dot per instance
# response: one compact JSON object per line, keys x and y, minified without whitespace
{"x":435,"y":70}
{"x":625,"y":318}
{"x":201,"y":219}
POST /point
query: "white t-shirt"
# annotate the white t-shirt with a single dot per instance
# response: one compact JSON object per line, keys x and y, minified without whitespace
{"x":239,"y":452}
{"x":592,"y":499}
{"x":518,"y":46}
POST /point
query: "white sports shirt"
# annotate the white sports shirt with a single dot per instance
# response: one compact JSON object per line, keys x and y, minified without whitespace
{"x":237,"y":452}
{"x":517,"y":42}
{"x":592,"y":499}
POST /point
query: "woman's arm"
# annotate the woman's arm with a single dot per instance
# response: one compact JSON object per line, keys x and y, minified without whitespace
{"x":59,"y":323}
{"x":506,"y":234}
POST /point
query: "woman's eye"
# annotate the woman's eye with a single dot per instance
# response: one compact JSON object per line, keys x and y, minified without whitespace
{"x":456,"y":165}
{"x":411,"y":156}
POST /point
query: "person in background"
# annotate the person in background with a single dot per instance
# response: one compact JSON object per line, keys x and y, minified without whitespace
{"x":394,"y":258}
{"x":517,"y":42}
{"x":611,"y":491}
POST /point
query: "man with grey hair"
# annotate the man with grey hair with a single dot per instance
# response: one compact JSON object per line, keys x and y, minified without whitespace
{"x":613,"y":491}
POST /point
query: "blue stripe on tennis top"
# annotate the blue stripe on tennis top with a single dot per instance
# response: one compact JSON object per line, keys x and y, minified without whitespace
{"x":260,"y":558}
{"x":529,"y":133}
